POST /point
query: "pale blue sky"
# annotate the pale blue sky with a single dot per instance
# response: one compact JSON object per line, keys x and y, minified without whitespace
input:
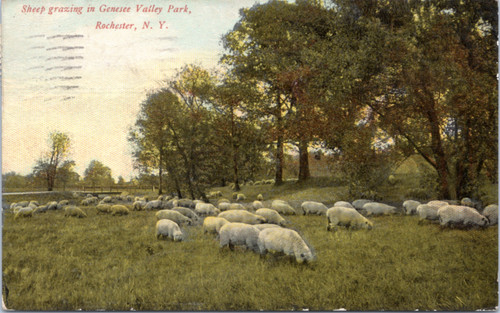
{"x":61,"y":73}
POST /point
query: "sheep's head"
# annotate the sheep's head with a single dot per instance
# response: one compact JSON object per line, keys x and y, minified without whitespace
{"x":305,"y":256}
{"x":367,"y":225}
{"x":178,"y":236}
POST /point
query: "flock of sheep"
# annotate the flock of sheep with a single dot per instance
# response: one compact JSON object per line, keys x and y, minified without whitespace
{"x":261,"y":227}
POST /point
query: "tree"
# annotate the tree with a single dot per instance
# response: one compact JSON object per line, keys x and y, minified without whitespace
{"x":97,"y":174}
{"x":66,"y":173}
{"x":48,"y":165}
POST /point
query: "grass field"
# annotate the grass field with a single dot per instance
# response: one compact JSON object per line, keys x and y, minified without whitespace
{"x":52,"y":262}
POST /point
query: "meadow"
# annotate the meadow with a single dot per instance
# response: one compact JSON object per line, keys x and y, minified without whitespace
{"x":103,"y":262}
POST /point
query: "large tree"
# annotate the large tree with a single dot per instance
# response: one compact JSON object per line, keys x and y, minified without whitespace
{"x":49,"y":164}
{"x":97,"y":174}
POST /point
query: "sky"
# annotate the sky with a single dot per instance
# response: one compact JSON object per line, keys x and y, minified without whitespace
{"x":61,"y":72}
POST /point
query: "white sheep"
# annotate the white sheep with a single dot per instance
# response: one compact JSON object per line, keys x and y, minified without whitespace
{"x":359,"y":203}
{"x":348,"y":217}
{"x":212,"y":224}
{"x":429,"y":211}
{"x":24,"y":212}
{"x":410,"y":207}
{"x":343,"y":204}
{"x":241,"y":197}
{"x":461,"y":216}
{"x":271,"y":216}
{"x":22,"y":204}
{"x":313,"y":207}
{"x":103,"y":208}
{"x":224,"y":206}
{"x":153,"y":205}
{"x":206,"y":209}
{"x":376,"y":208}
{"x":187,"y":203}
{"x":257,"y":205}
{"x":33,"y":202}
{"x":41,"y":209}
{"x":264,"y":226}
{"x":173,"y":216}
{"x":236,"y":206}
{"x":241,"y":216}
{"x":168,"y":229}
{"x":437,"y":203}
{"x":139,"y":205}
{"x":74,"y":211}
{"x":491,"y":212}
{"x":287,"y":241}
{"x":239,"y":234}
{"x":52,"y":205}
{"x":119,"y":209}
{"x":282,"y":207}
{"x":260,"y":197}
{"x":107,"y":199}
{"x":62,"y":204}
{"x":187,"y":212}
{"x":221,"y":200}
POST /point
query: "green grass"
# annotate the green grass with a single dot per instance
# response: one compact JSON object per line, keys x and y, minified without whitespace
{"x":52,"y":262}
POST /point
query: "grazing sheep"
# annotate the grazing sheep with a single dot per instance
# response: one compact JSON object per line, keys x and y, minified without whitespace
{"x":74,"y":211}
{"x":22,"y":204}
{"x":224,"y":206}
{"x":170,"y":204}
{"x":119,"y":209}
{"x":271,"y":216}
{"x":24,"y":212}
{"x":215,"y":194}
{"x":206,"y":209}
{"x":348,"y":217}
{"x":257,"y":205}
{"x":187,"y":203}
{"x":429,"y":211}
{"x":13,"y":205}
{"x":282,"y":207}
{"x":222,"y":200}
{"x":129,"y":198}
{"x":437,"y":203}
{"x":264,"y":226}
{"x":187,"y":212}
{"x":491,"y":213}
{"x":376,"y":208}
{"x":168,"y":229}
{"x":241,"y":216}
{"x":89,"y":201}
{"x":34,"y":202}
{"x":52,"y":205}
{"x":410,"y":207}
{"x":212,"y":224}
{"x":287,"y":241}
{"x":239,"y":234}
{"x":460,"y":216}
{"x":312,"y":207}
{"x":62,"y":204}
{"x":260,"y":197}
{"x":173,"y":216}
{"x":344,"y":204}
{"x":153,"y":205}
{"x":40,"y":209}
{"x":33,"y":205}
{"x":160,"y":198}
{"x":107,"y":199}
{"x":234,"y":195}
{"x":139,"y":205}
{"x":236,"y":206}
{"x":359,"y":203}
{"x":240,"y":197}
{"x":103,"y":208}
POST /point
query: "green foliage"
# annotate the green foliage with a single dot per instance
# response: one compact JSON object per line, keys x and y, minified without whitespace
{"x":111,"y":263}
{"x":97,"y":174}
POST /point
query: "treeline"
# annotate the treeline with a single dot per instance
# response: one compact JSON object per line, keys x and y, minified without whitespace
{"x":370,"y":82}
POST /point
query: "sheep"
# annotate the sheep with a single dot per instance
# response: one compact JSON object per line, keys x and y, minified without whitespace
{"x":343,"y":204}
{"x":224,"y":206}
{"x":348,"y":217}
{"x":41,"y":209}
{"x":410,"y":207}
{"x":187,"y":203}
{"x":206,"y":209}
{"x":264,"y":226}
{"x":234,"y":195}
{"x":62,"y":204}
{"x":241,"y":216}
{"x":107,"y":199}
{"x":271,"y":216}
{"x":491,"y":213}
{"x":282,"y":207}
{"x":33,"y":205}
{"x":103,"y":208}
{"x":33,"y":202}
{"x":139,"y":205}
{"x":170,"y":204}
{"x":461,"y":216}
{"x":212,"y":224}
{"x":52,"y":205}
{"x":24,"y":212}
{"x":222,"y":200}
{"x":22,"y":204}
{"x":74,"y":211}
{"x":312,"y":207}
{"x":236,"y":234}
{"x":215,"y":194}
{"x":119,"y":209}
{"x":187,"y":212}
{"x":287,"y":241}
{"x":429,"y":211}
{"x":260,"y":197}
{"x":129,"y":198}
{"x":153,"y":205}
{"x":437,"y":203}
{"x":13,"y":205}
{"x":173,"y":216}
{"x":376,"y":208}
{"x":240,"y":197}
{"x":160,"y":198}
{"x":257,"y":205}
{"x":236,"y":206}
{"x":359,"y":203}
{"x":89,"y":201}
{"x":168,"y":229}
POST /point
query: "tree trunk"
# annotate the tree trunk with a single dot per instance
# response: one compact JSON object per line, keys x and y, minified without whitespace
{"x":438,"y":151}
{"x":234,"y":147}
{"x":304,"y":172}
{"x":160,"y":187}
{"x":278,"y":180}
